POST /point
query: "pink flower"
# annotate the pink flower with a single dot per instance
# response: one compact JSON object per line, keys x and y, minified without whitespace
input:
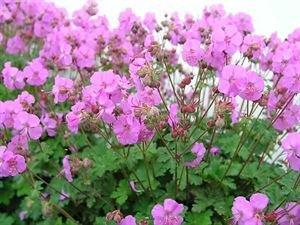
{"x":230,"y":79}
{"x":11,"y":164}
{"x":249,"y":212}
{"x":128,"y":220}
{"x":26,"y":100}
{"x":127,"y":129}
{"x":227,"y":39}
{"x":289,"y":215}
{"x":63,"y":195}
{"x":251,"y":87}
{"x":289,"y":118}
{"x":291,"y":146}
{"x":173,"y":117}
{"x":28,"y":124}
{"x":22,"y":215}
{"x":62,"y":89}
{"x":15,"y":45}
{"x":291,"y":78}
{"x":215,"y":151}
{"x":12,"y":77}
{"x":192,"y":52}
{"x":132,"y":186}
{"x":49,"y":125}
{"x":36,"y":73}
{"x":73,"y":121}
{"x":73,"y":118}
{"x":8,"y":113}
{"x":252,"y":46}
{"x":199,"y":151}
{"x":85,"y":56}
{"x":18,"y":145}
{"x":67,"y":168}
{"x":150,"y":21}
{"x":168,"y":213}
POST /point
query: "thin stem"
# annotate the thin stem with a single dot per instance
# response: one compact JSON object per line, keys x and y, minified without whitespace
{"x":147,"y":169}
{"x":272,"y":182}
{"x":204,"y":114}
{"x":169,"y":76}
{"x":243,"y":138}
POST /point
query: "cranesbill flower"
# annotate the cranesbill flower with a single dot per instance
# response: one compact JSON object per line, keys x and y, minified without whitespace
{"x":168,"y":213}
{"x":230,"y":79}
{"x":63,"y":195}
{"x":227,"y":39}
{"x":192,"y":52}
{"x":36,"y":73}
{"x":173,"y":117}
{"x":215,"y":150}
{"x":289,"y":215}
{"x":199,"y":151}
{"x":62,"y":89}
{"x":49,"y":125}
{"x":28,"y":124}
{"x":128,"y":220}
{"x":67,"y":168}
{"x":15,"y":45}
{"x":291,"y":146}
{"x":18,"y":145}
{"x":12,"y":77}
{"x":85,"y":56}
{"x":11,"y":164}
{"x":249,"y":212}
{"x":73,"y":121}
{"x":127,"y":129}
{"x":251,"y":87}
{"x":291,"y":78}
{"x":26,"y":100}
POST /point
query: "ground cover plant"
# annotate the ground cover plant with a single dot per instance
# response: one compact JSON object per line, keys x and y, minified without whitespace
{"x":188,"y":120}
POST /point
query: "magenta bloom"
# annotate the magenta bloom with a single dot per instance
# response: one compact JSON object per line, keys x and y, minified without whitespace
{"x":18,"y":145}
{"x":251,"y":87}
{"x":230,"y":80}
{"x":249,"y":212}
{"x":128,"y":220}
{"x":28,"y":124}
{"x":63,"y":195}
{"x":49,"y":125}
{"x":289,"y":215}
{"x":62,"y":89}
{"x":127,"y":129}
{"x":168,"y":213}
{"x":291,"y":78}
{"x":73,"y":122}
{"x":85,"y":56}
{"x":199,"y":151}
{"x":12,"y":77}
{"x":67,"y":168}
{"x":291,"y":145}
{"x":36,"y":73}
{"x":192,"y":52}
{"x":16,"y":45}
{"x":11,"y":164}
{"x":173,"y":119}
{"x":26,"y":100}
{"x":215,"y":151}
{"x":226,"y":39}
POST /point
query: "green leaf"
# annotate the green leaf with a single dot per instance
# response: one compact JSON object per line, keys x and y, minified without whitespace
{"x":203,"y":218}
{"x":122,"y":192}
{"x":6,"y":220}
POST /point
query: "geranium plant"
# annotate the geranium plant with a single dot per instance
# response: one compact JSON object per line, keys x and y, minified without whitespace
{"x":181,"y":121}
